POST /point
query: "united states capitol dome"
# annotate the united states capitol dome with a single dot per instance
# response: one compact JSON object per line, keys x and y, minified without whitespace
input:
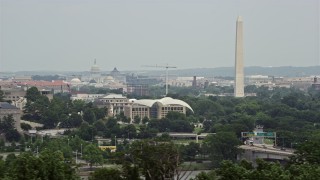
{"x":95,"y":68}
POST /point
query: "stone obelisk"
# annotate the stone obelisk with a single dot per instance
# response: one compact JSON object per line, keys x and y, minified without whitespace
{"x":239,"y":79}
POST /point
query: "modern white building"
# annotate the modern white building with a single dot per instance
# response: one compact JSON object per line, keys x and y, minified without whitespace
{"x":155,"y":108}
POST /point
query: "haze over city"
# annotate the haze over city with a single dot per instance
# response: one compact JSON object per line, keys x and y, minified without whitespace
{"x":69,"y":35}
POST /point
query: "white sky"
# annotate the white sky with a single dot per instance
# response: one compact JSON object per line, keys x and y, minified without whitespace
{"x":128,"y":34}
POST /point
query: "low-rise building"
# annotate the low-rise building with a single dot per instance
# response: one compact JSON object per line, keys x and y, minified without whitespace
{"x":55,"y":86}
{"x":86,"y":97}
{"x":8,"y":109}
{"x":115,"y":103}
{"x":155,"y":108}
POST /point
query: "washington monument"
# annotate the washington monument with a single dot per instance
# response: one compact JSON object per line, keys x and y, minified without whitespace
{"x":239,"y":79}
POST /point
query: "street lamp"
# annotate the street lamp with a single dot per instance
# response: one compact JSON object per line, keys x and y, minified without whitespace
{"x":81,"y":150}
{"x":76,"y":156}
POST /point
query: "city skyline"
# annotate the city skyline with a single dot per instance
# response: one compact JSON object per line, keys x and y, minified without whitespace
{"x":69,"y":35}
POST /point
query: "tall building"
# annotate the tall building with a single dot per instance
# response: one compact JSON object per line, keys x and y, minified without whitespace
{"x":239,"y":75}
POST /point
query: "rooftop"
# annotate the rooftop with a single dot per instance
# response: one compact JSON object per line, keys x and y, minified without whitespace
{"x":5,"y":105}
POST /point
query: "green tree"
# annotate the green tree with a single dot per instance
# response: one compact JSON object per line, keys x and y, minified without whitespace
{"x":145,"y":120}
{"x":55,"y":166}
{"x":211,"y":175}
{"x":2,"y":168}
{"x":191,"y":150}
{"x":86,"y":132}
{"x":106,"y":174}
{"x":7,"y":127}
{"x":92,"y":154}
{"x":307,"y":152}
{"x":25,"y":126}
{"x":1,"y":95}
{"x":158,"y":160}
{"x":222,"y":146}
{"x":49,"y":165}
{"x":25,"y":167}
{"x":32,"y":94}
{"x":89,"y":116}
{"x":137,"y":119}
{"x":129,"y":131}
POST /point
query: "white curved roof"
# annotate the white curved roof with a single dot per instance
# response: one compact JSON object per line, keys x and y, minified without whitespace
{"x":164,"y":101}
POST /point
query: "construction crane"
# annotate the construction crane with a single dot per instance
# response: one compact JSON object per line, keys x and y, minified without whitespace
{"x":167,"y":67}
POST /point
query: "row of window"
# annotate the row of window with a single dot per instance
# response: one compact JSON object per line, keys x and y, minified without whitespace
{"x":139,"y":109}
{"x":115,"y":101}
{"x":172,"y":108}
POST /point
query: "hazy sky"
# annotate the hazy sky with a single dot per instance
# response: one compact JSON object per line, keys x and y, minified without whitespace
{"x":128,"y":34}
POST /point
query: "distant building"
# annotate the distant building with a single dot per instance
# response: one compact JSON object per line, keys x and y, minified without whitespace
{"x":86,"y":97}
{"x":187,"y":81}
{"x":155,"y":108}
{"x":194,"y":82}
{"x":138,"y":85}
{"x":258,"y":80}
{"x":21,"y":78}
{"x":20,"y":103}
{"x":302,"y":83}
{"x":7,"y":109}
{"x":116,"y":75}
{"x":55,"y":86}
{"x":16,"y":95}
{"x":95,"y":72}
{"x":13,"y":94}
{"x":114,"y":103}
{"x":316,"y":84}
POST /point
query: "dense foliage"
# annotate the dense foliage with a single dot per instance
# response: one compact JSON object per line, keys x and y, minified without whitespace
{"x":8,"y":129}
{"x":49,"y":165}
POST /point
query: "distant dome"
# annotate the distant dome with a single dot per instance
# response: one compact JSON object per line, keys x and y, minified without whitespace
{"x":95,"y":68}
{"x":115,"y":71}
{"x":75,"y":80}
{"x":108,"y":78}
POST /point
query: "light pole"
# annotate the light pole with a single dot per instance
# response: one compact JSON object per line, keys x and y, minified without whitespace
{"x":115,"y":141}
{"x":76,"y":156}
{"x":81,"y":150}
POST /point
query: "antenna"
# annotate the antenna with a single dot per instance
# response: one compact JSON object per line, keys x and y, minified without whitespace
{"x":167,"y":67}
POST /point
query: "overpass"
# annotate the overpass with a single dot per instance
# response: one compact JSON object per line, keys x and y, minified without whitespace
{"x":187,"y":135}
{"x":266,"y":152}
